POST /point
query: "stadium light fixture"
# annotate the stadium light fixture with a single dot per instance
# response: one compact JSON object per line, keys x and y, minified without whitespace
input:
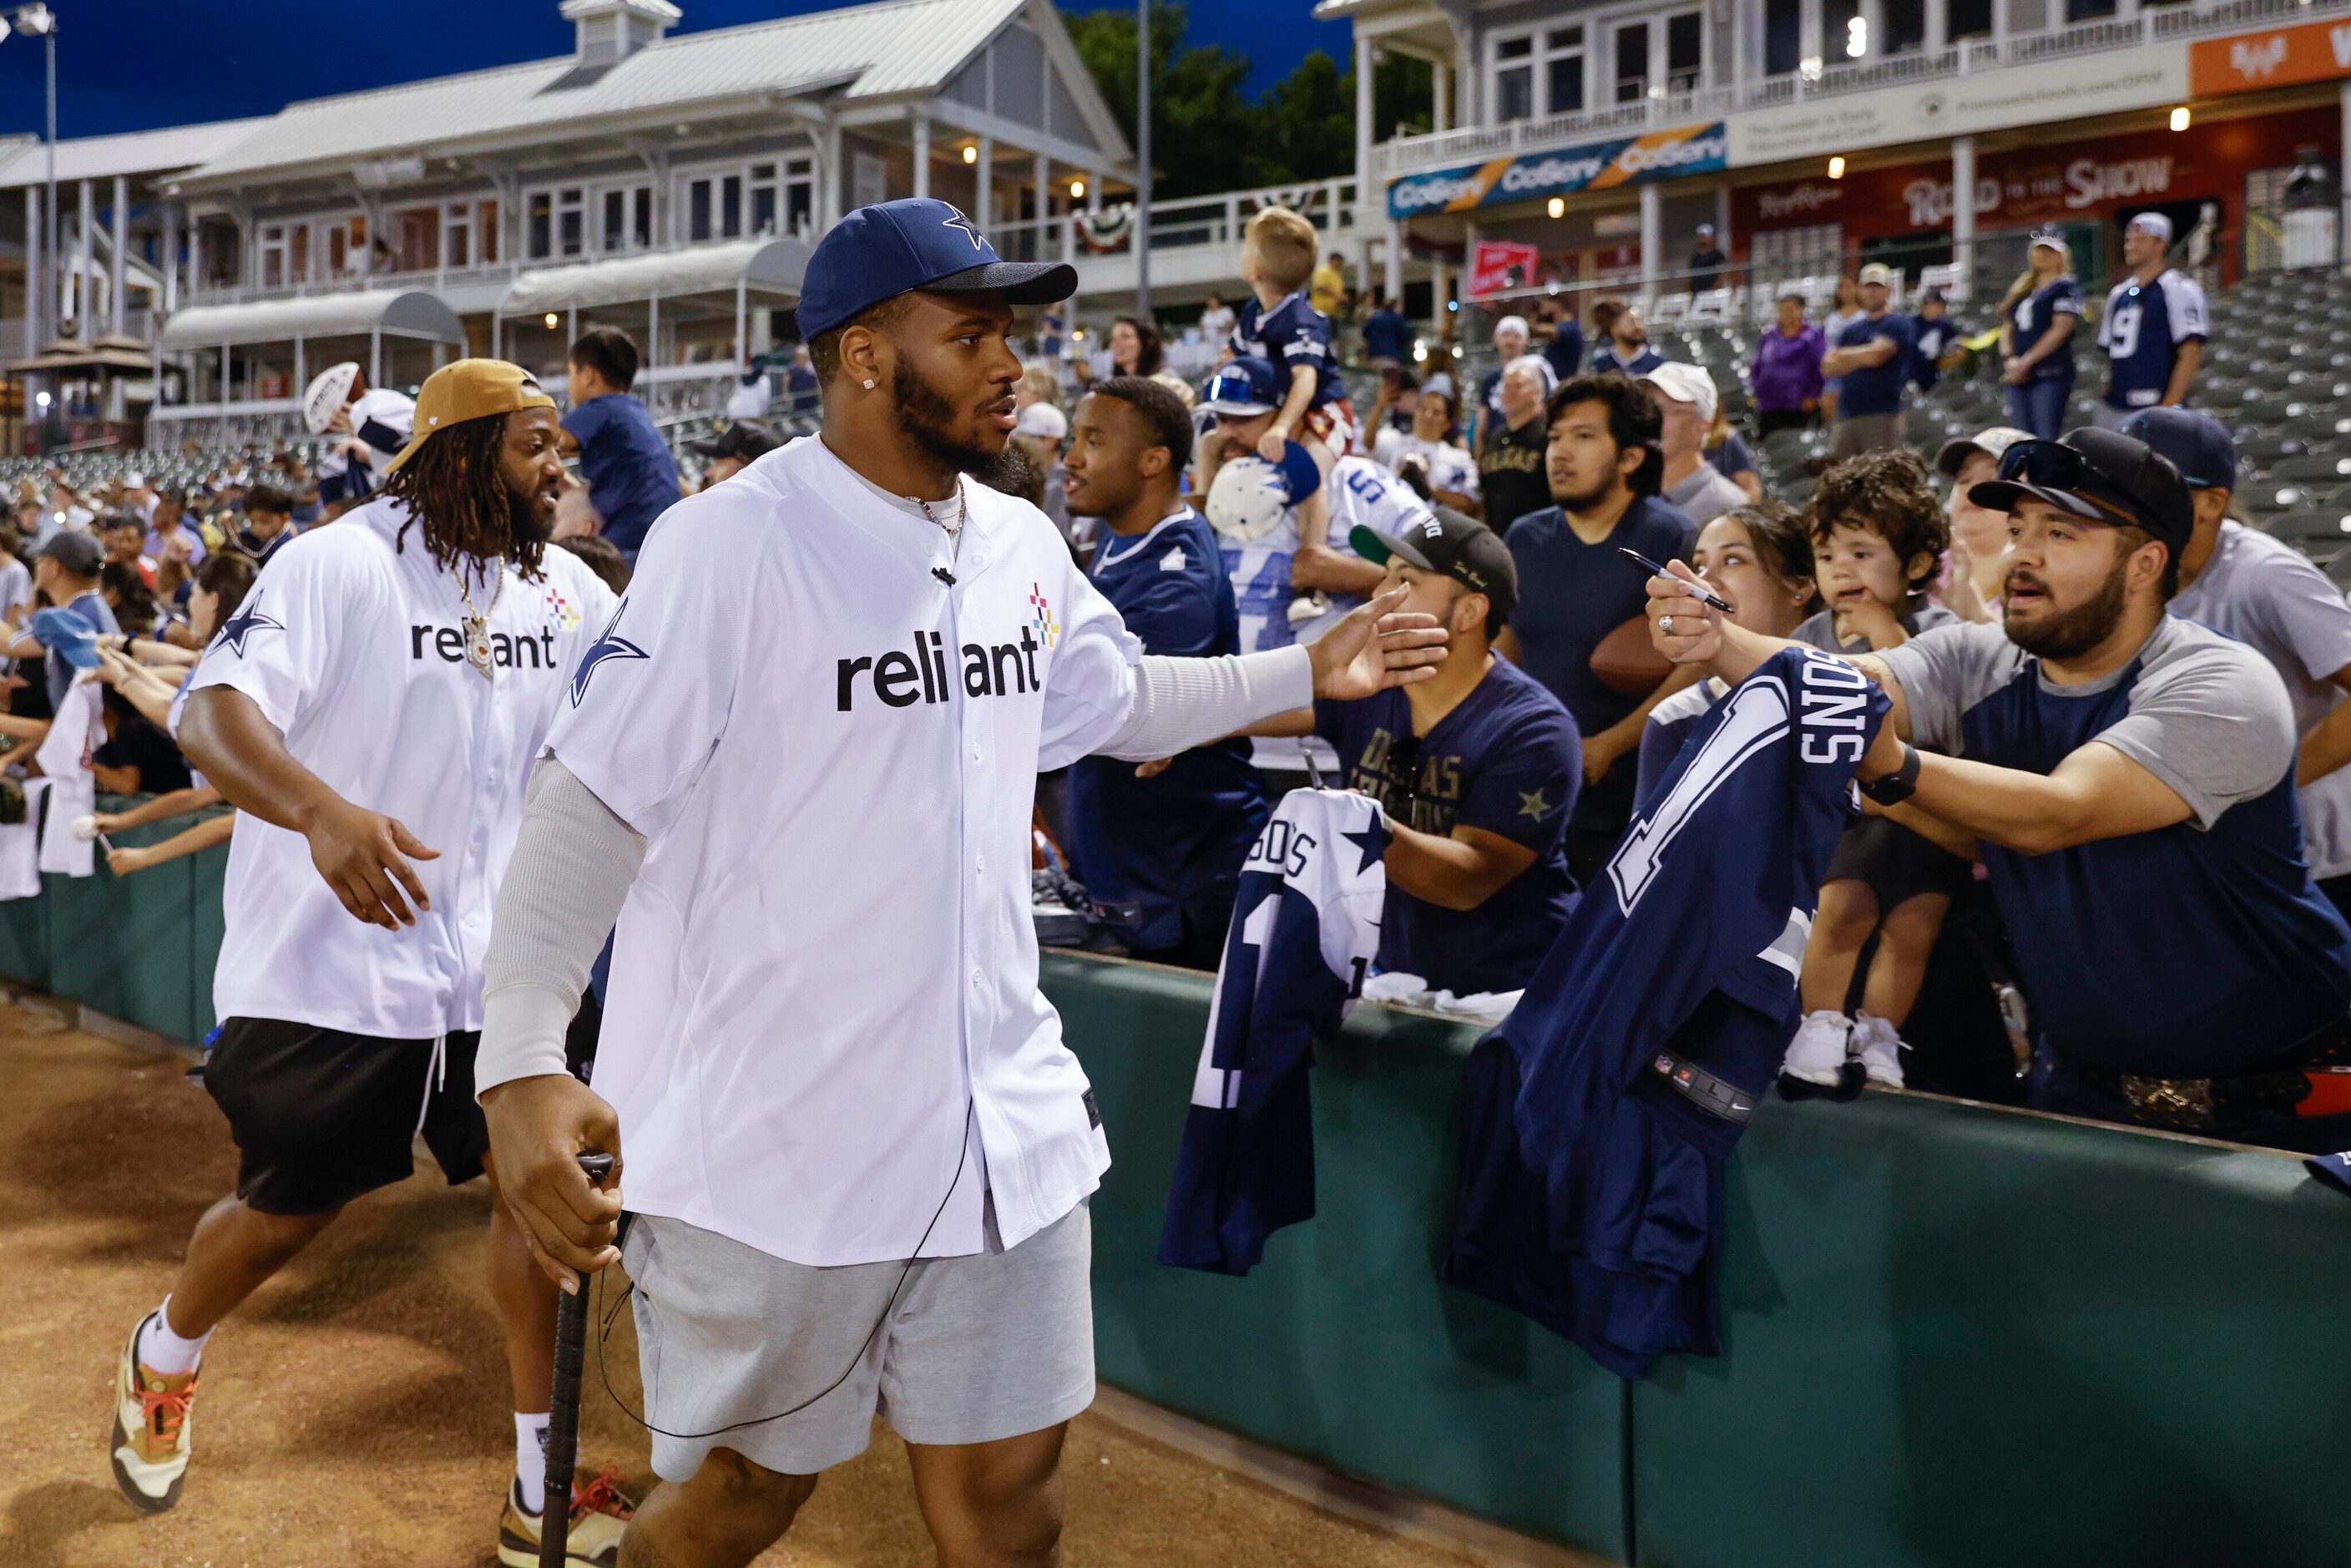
{"x":1077,"y":190}
{"x":40,"y":400}
{"x":1419,"y":350}
{"x":551,"y":320}
{"x":1557,"y":207}
{"x":1836,"y":167}
{"x":1811,"y":66}
{"x":2179,"y":117}
{"x":1856,"y":37}
{"x":971,"y":151}
{"x":36,"y":21}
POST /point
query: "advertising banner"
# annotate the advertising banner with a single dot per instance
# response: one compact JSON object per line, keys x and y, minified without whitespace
{"x":1957,"y":106}
{"x":1655,"y":155}
{"x":2312,"y":51}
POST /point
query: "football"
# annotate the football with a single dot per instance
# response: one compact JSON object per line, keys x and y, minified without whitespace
{"x":1627,"y":662}
{"x":1249,"y":499}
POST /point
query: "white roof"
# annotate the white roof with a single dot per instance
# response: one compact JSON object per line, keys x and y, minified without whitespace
{"x":409,"y":313}
{"x":26,"y":162}
{"x":869,"y":51}
{"x":766,"y":266}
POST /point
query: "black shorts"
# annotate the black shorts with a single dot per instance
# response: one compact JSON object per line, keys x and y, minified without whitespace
{"x":322,"y":1116}
{"x":1895,"y":863}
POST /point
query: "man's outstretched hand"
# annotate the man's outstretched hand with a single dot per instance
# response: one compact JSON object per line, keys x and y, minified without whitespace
{"x":539,"y":1129}
{"x":1376,"y":647}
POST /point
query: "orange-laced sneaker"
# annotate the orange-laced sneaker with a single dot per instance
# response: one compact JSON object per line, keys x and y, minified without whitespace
{"x":154,"y":1427}
{"x":599,"y":1514}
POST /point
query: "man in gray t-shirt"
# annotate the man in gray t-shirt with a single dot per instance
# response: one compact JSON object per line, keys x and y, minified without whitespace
{"x":2267,"y":594}
{"x":2129,"y":778}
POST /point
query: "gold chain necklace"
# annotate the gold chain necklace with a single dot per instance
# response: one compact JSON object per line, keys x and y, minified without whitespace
{"x":477,"y":623}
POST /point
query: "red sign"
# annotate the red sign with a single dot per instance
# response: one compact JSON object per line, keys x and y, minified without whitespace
{"x":2076,"y":181}
{"x":2311,"y":51}
{"x":1497,"y":264}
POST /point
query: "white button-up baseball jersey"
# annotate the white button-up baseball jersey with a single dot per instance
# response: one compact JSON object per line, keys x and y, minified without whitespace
{"x":354,"y":649}
{"x":827,"y":722}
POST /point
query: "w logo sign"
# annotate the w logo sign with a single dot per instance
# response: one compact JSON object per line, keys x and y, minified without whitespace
{"x":2255,"y":61}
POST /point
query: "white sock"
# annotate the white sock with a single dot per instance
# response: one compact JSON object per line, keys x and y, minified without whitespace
{"x":530,"y":1460}
{"x":166,"y":1352}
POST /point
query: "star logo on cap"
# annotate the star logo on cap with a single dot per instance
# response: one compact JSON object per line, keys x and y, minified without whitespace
{"x":243,"y":624}
{"x":609,"y":644}
{"x":955,"y":220}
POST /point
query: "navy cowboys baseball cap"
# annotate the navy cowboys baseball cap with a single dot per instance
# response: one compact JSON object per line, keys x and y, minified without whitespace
{"x":1243,"y":387}
{"x":2102,"y":476}
{"x":2198,"y":445}
{"x":890,"y":248}
{"x":1452,"y":544}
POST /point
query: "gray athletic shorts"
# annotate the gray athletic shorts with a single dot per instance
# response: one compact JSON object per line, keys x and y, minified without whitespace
{"x":1860,"y":432}
{"x":980,"y":1347}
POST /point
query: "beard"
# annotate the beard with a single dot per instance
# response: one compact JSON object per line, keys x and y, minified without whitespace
{"x":1588,"y":501}
{"x":2070,"y":634}
{"x":525,"y":527}
{"x":924,"y":414}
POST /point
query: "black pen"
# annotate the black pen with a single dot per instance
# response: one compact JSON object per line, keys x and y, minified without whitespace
{"x":1654,"y":570}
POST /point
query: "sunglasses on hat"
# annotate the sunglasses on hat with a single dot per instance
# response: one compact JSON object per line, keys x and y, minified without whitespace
{"x":2053,"y":466}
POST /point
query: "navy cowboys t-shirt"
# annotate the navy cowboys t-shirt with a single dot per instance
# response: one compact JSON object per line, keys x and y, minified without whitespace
{"x":1508,"y":761}
{"x":1879,"y":387}
{"x":1146,"y":847}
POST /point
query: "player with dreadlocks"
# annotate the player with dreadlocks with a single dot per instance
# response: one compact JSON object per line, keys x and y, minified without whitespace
{"x":373,"y":708}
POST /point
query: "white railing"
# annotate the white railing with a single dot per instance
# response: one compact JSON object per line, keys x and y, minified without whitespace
{"x":352,"y":282}
{"x":1405,"y":154}
{"x":1186,"y":221}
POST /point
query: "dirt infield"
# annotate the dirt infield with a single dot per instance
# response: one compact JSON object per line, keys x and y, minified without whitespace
{"x":354,"y":1413}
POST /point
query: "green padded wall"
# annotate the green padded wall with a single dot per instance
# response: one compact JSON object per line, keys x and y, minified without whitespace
{"x":1341,"y":1346}
{"x":1967,"y":1336}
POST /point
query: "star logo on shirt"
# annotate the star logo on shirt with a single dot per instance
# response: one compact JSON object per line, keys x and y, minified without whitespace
{"x":243,"y":624}
{"x":1533,"y":805}
{"x":1373,"y":841}
{"x":963,"y":225}
{"x":609,"y":644}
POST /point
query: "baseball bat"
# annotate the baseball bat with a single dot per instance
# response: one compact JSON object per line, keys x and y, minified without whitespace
{"x":563,"y":1409}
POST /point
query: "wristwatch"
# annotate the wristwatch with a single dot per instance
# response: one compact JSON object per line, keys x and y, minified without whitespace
{"x":1895,"y":788}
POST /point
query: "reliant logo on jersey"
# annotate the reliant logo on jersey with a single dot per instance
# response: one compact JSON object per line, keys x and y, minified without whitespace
{"x":901,"y":678}
{"x":506,"y":652}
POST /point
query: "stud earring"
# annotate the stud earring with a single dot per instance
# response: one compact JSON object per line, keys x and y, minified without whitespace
{"x":869,"y":383}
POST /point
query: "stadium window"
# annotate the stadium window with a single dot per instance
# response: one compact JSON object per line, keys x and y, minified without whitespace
{"x":763,"y":198}
{"x":1632,"y":61}
{"x":2088,"y":10}
{"x":697,"y":210}
{"x":1684,"y":52}
{"x":539,"y":237}
{"x":1970,"y":19}
{"x":1514,"y":78}
{"x":571,"y":220}
{"x":616,"y":220}
{"x":1783,"y":33}
{"x":730,"y":205}
{"x":1904,"y":24}
{"x":640,"y":216}
{"x":485,"y":234}
{"x":800,"y":195}
{"x":458,"y":235}
{"x":418,"y":239}
{"x":1563,"y":70}
{"x":285,"y":253}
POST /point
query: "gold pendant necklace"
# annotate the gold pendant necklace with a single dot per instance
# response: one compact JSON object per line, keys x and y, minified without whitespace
{"x":477,"y":623}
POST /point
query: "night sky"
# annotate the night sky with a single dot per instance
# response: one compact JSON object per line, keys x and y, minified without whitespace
{"x":131,"y":64}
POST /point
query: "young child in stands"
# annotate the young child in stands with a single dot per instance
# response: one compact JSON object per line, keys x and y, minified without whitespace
{"x":1759,"y":558}
{"x":1878,"y":536}
{"x":1279,"y":326}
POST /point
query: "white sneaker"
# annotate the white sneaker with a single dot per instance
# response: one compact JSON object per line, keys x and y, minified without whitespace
{"x":1818,"y":1052}
{"x":1879,"y":1048}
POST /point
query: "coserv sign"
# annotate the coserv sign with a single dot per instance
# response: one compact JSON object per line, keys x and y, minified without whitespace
{"x":1656,"y":155}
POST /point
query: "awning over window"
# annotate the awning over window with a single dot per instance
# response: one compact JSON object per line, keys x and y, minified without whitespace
{"x":764,"y":266}
{"x":400,"y":313}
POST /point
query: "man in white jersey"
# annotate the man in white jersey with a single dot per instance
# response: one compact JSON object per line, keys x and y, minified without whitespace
{"x":372,"y":709}
{"x":375,"y":422}
{"x":856,"y":1150}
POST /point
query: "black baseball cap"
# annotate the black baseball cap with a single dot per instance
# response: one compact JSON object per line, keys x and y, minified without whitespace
{"x":2101,"y":475}
{"x":1457,"y":546}
{"x":890,"y":249}
{"x":2198,"y":445}
{"x":76,"y":551}
{"x":746,"y":441}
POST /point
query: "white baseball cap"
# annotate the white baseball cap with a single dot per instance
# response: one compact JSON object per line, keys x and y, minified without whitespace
{"x":1876,"y":272}
{"x":1686,"y":383}
{"x":1513,"y":324}
{"x":2154,"y":226}
{"x":1043,"y":419}
{"x":1991,"y":443}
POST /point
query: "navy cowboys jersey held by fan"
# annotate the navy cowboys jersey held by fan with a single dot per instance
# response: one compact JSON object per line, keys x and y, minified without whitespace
{"x":1305,"y":927}
{"x":1655,"y":1024}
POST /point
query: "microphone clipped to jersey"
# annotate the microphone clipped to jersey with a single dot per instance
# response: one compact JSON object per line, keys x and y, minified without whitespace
{"x":944,"y":575}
